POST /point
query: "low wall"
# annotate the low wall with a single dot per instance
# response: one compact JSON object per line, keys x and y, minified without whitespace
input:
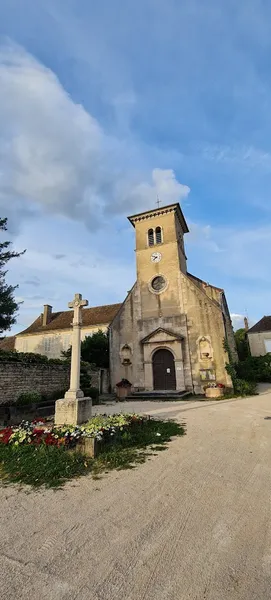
{"x":16,"y":378}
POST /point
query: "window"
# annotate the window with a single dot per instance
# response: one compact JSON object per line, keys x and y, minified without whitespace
{"x":267,"y":344}
{"x":158,"y":284}
{"x":66,"y":342}
{"x":25,"y":346}
{"x":150,"y":237}
{"x":47,"y":343}
{"x":158,"y":235}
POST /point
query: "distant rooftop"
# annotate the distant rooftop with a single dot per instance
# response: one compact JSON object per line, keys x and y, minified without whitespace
{"x":263,"y":325}
{"x":97,"y":315}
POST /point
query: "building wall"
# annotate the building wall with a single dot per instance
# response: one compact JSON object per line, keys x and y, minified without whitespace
{"x":16,"y":378}
{"x":52,"y":343}
{"x":257,"y":343}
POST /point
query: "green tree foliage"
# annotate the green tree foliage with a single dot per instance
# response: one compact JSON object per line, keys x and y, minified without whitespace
{"x":8,"y":305}
{"x":94,"y":350}
{"x":255,"y":368}
{"x":242,"y":344}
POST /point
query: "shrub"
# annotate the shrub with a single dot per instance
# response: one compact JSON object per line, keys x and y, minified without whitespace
{"x":28,"y":358}
{"x":57,"y":395}
{"x":28,"y":398}
{"x":255,"y":368}
{"x":244,"y":388}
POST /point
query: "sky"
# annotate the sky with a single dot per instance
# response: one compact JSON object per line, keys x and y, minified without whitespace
{"x":105,"y":105}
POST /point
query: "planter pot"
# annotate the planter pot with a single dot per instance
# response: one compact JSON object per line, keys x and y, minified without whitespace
{"x":123,"y":392}
{"x":214,"y":392}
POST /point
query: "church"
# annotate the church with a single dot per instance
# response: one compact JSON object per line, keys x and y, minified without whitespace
{"x":168,"y":334}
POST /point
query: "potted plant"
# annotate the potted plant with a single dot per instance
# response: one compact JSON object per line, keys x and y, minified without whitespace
{"x":214,"y":390}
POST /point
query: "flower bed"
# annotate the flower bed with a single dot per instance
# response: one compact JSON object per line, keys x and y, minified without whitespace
{"x":101,"y":428}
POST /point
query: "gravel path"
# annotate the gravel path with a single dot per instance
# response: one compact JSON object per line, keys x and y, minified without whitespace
{"x":193,"y":522}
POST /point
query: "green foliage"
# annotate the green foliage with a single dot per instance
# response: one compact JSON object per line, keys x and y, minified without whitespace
{"x":94,"y":350}
{"x":8,"y":305}
{"x":41,"y":465}
{"x":52,"y":466}
{"x":255,"y":368}
{"x":58,"y":394}
{"x":242,"y":386}
{"x":242,"y":344}
{"x":93,"y":392}
{"x":27,"y":398}
{"x":28,"y":358}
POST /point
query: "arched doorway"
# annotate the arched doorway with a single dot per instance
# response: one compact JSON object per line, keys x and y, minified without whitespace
{"x":163,"y":366}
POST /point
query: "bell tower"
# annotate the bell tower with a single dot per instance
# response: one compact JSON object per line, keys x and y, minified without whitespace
{"x":160,"y":256}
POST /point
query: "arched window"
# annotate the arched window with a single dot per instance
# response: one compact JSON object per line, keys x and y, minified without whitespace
{"x":150,"y":237}
{"x":158,"y":235}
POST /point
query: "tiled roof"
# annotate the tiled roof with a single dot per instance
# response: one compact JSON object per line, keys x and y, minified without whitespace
{"x":8,"y":343}
{"x":263,"y":325}
{"x":97,"y":315}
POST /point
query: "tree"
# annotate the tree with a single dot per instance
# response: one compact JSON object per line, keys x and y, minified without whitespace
{"x":8,"y":304}
{"x":242,"y":344}
{"x":94,"y":350}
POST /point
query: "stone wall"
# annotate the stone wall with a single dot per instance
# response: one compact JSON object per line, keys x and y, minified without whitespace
{"x":16,"y":378}
{"x":258,"y":343}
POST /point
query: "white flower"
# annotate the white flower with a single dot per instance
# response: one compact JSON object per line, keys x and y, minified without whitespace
{"x":158,"y":434}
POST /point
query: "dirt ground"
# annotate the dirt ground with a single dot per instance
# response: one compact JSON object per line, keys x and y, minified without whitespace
{"x":193,"y":522}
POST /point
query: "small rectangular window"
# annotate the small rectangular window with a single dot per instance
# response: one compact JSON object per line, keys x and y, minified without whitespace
{"x":47,"y":343}
{"x":267,"y":344}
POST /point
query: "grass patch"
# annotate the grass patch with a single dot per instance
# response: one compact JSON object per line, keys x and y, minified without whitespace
{"x":52,"y":466}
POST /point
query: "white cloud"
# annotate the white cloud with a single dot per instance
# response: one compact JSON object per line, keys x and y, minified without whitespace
{"x":237,"y":320}
{"x":55,"y":156}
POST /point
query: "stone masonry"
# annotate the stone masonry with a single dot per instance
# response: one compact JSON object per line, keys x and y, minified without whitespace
{"x":16,"y":378}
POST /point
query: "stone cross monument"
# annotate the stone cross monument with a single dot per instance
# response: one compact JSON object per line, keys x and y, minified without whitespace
{"x":74,"y":409}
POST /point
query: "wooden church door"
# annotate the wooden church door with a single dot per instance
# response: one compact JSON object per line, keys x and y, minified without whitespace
{"x":164,"y":375}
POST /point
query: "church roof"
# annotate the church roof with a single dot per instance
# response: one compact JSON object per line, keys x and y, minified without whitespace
{"x":263,"y":325}
{"x":97,"y":315}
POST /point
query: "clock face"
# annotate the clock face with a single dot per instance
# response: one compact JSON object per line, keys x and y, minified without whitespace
{"x":156,"y":257}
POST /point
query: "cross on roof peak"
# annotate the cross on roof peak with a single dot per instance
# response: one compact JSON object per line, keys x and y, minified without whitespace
{"x":158,"y":201}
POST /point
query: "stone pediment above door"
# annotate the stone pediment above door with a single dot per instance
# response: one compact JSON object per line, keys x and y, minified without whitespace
{"x":161,"y":335}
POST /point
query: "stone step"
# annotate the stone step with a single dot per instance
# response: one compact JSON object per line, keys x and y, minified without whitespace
{"x":158,"y":395}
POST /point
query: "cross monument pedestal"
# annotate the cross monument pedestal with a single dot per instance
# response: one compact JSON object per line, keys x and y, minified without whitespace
{"x":74,"y":409}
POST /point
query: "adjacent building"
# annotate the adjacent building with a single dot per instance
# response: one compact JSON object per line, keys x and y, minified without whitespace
{"x":51,"y":332}
{"x":259,"y":337}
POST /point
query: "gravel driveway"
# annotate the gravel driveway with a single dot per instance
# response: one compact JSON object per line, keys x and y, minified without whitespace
{"x":193,"y":522}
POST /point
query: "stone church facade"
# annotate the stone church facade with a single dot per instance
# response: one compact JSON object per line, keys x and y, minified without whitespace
{"x":168,"y":334}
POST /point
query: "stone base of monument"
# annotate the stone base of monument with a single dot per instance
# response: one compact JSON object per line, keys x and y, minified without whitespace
{"x":73,"y":411}
{"x":89,"y":446}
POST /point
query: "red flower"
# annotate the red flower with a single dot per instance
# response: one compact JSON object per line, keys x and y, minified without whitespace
{"x":5,"y":435}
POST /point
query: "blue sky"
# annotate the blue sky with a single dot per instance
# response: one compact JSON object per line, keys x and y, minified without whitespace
{"x":104,"y":106}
